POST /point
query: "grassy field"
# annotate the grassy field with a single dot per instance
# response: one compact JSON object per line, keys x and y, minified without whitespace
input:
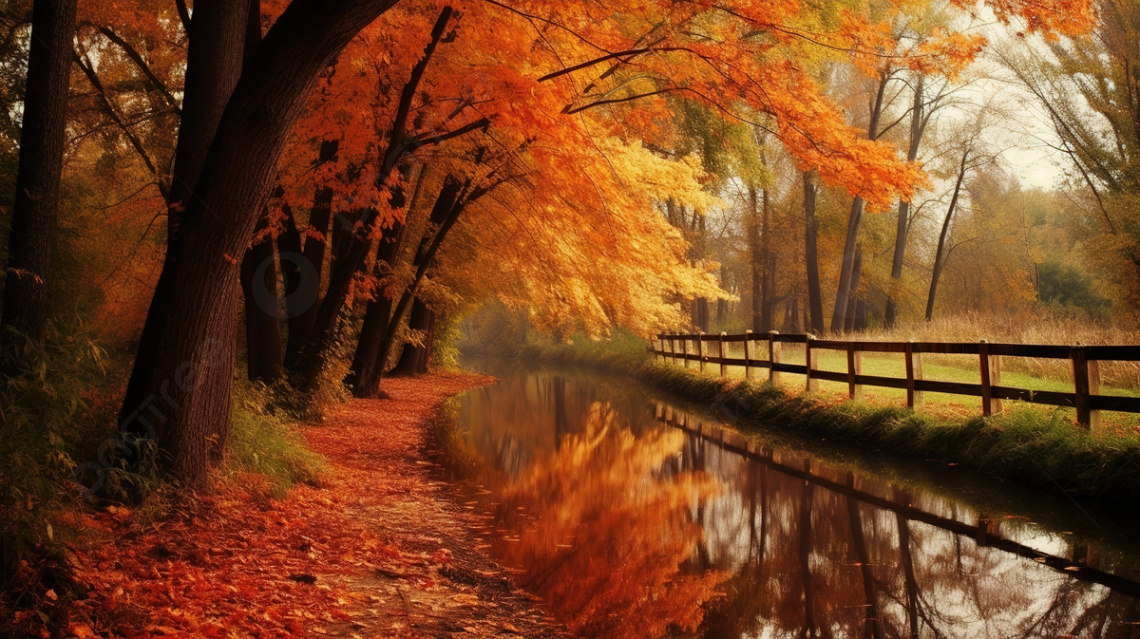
{"x":1037,"y":375}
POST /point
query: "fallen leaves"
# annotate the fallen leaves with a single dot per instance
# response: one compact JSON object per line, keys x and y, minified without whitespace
{"x":366,"y":554}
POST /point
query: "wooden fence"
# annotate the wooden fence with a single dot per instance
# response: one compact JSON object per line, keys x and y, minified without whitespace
{"x":1085,"y":398}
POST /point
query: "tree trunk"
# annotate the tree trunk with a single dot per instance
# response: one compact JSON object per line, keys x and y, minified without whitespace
{"x":939,"y":259}
{"x":721,"y":303}
{"x":312,"y":259}
{"x":792,"y":314}
{"x":414,"y":359}
{"x":190,"y":369}
{"x":701,"y":314}
{"x":754,"y":259}
{"x":259,"y":267}
{"x":44,"y":133}
{"x":310,"y":360}
{"x":840,"y":313}
{"x":701,"y":304}
{"x":840,"y":317}
{"x":853,"y":299}
{"x":366,"y":367}
{"x":768,"y":290}
{"x":811,"y":255}
{"x":902,"y":226}
{"x":901,"y":232}
{"x":213,"y":66}
{"x":453,"y":197}
{"x":259,"y":291}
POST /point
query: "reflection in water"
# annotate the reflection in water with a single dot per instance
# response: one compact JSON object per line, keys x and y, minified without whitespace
{"x":635,"y":520}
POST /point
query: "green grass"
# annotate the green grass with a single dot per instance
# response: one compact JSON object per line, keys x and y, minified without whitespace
{"x":1026,"y":444}
{"x":944,"y":368}
{"x":268,"y":444}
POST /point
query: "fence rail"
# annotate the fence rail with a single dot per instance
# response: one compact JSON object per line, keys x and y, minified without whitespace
{"x":1085,"y":398}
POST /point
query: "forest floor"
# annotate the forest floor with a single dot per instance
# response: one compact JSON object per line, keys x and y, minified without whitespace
{"x":377,"y":550}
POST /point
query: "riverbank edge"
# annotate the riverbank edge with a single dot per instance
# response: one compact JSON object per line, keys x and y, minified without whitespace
{"x":1027,"y":446}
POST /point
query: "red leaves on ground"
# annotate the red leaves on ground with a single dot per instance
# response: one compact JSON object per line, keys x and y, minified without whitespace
{"x":359,"y":556}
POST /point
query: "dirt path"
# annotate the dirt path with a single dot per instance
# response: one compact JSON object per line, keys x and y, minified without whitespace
{"x":377,"y":551}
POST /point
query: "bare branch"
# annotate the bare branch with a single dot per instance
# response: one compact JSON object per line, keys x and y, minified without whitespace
{"x":135,"y":57}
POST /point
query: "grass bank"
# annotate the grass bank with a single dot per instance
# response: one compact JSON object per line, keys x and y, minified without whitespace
{"x":1027,"y":445}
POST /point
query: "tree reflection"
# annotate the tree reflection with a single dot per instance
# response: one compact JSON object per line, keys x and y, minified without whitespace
{"x":604,"y":536}
{"x":633,"y":528}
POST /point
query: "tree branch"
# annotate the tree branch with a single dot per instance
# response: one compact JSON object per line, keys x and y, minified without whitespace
{"x":135,"y":57}
{"x":184,"y":14}
{"x":396,"y":143}
{"x":415,"y":142}
{"x":105,"y":100}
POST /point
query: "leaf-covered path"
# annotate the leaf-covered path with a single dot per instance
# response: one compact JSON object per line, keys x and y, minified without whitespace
{"x":377,"y":551}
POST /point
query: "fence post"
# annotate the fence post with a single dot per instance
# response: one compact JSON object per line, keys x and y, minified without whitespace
{"x":984,"y":367}
{"x":854,"y":367}
{"x":995,"y":380}
{"x":748,"y":352}
{"x":720,"y":350}
{"x":1095,"y":423}
{"x":773,"y":357}
{"x":811,"y":362}
{"x":913,"y":374}
{"x":701,"y":348}
{"x":1086,"y":382}
{"x":685,"y":347}
{"x":673,"y":348}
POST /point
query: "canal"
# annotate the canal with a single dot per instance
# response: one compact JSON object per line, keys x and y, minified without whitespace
{"x":633,"y":516}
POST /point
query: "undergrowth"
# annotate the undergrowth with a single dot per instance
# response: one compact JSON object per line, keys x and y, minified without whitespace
{"x":61,"y":454}
{"x":54,"y":408}
{"x":264,"y":440}
{"x":1028,"y":445}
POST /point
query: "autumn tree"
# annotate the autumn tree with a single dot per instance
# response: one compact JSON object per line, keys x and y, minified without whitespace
{"x":737,"y":53}
{"x":1085,"y":86}
{"x":188,"y":348}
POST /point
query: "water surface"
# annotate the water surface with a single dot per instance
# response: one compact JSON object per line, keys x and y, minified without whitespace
{"x":634,"y":518}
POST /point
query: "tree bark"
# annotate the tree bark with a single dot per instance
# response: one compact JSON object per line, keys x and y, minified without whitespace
{"x":312,"y":258}
{"x":755,"y":262}
{"x":259,"y":292}
{"x":36,"y":209}
{"x":310,"y":360}
{"x":182,"y":393}
{"x":259,"y":268}
{"x":902,"y":226}
{"x":939,"y":258}
{"x":849,"y":318}
{"x":839,"y":317}
{"x":768,"y":290}
{"x":366,"y":367}
{"x":414,"y":359}
{"x":811,"y":254}
{"x":213,"y":66}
